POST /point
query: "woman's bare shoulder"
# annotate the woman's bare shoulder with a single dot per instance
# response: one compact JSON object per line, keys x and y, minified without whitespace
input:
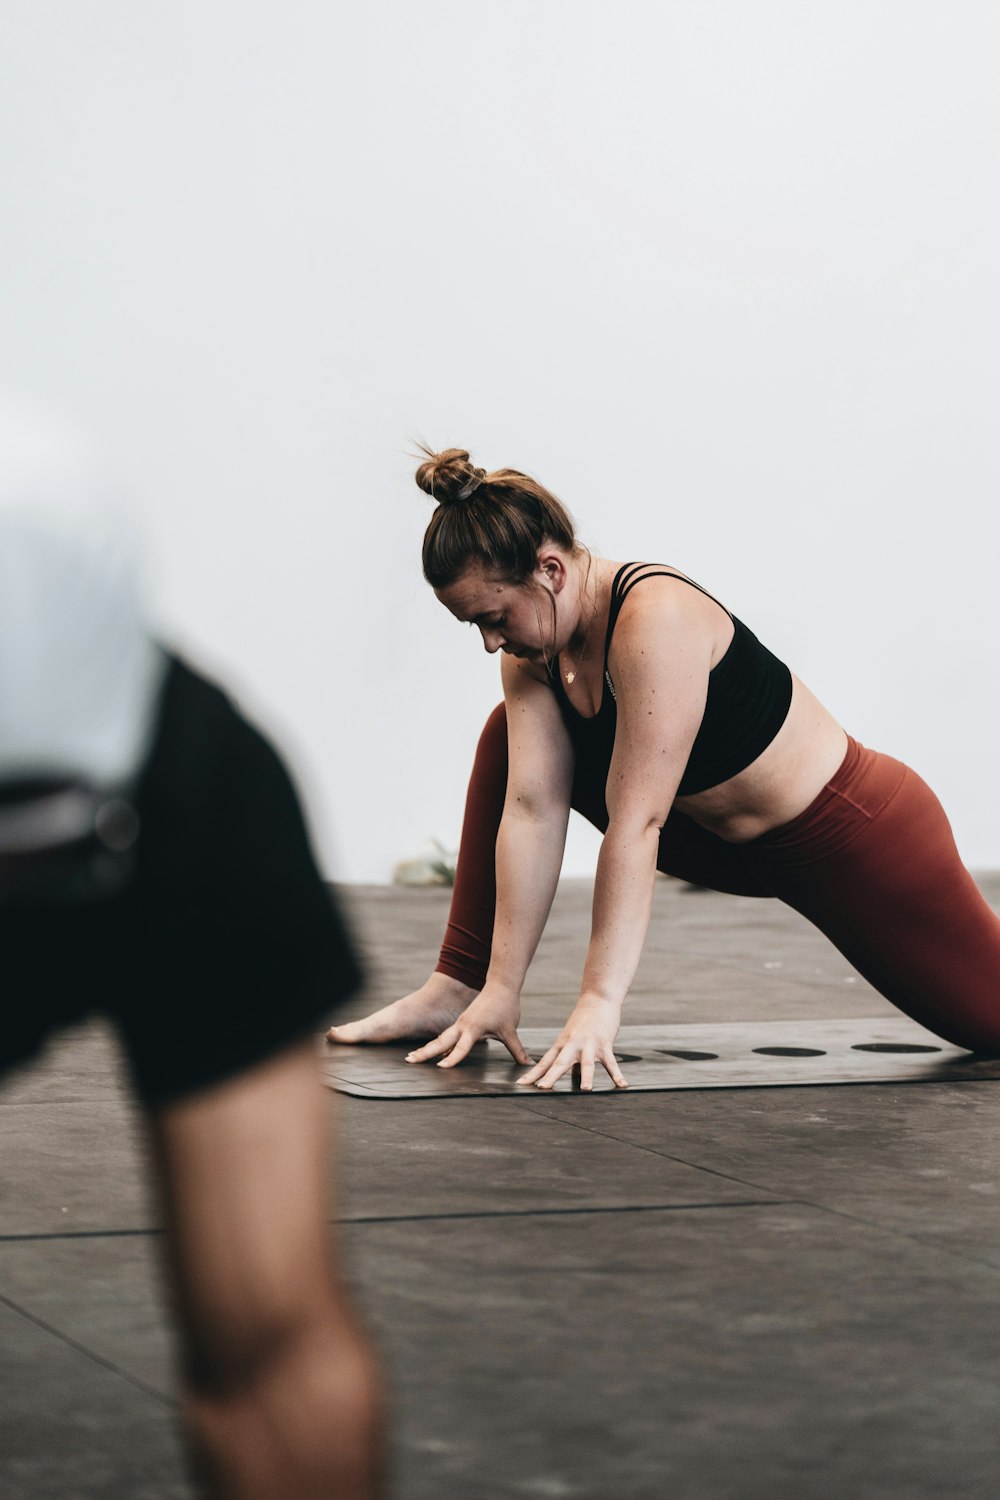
{"x":672,"y":614}
{"x":668,"y":592}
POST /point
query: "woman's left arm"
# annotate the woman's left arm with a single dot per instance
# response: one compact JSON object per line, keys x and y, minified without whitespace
{"x":661,"y":658}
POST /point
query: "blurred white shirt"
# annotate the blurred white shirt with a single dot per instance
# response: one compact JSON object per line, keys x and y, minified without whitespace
{"x":79,"y":674}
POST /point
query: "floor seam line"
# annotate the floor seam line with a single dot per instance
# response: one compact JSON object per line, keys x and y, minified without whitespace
{"x":903,"y":1234}
{"x":79,"y":1234}
{"x":543,"y":1213}
{"x":499,"y":1213}
{"x":639,"y":1146}
{"x":90,"y":1354}
{"x":744,"y":1182}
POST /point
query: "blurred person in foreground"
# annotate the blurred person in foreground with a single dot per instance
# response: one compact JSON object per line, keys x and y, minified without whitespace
{"x":155,"y":867}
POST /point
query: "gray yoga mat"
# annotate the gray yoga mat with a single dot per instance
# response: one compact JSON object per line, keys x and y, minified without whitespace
{"x":758,"y":1054}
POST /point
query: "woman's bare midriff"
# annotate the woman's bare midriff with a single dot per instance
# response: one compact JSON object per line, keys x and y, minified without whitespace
{"x":805,"y":753}
{"x":781,"y":783}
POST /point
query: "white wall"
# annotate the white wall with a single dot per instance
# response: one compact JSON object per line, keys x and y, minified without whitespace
{"x":723,"y":275}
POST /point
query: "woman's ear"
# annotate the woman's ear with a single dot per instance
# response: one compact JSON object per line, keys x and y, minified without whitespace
{"x":551,"y":569}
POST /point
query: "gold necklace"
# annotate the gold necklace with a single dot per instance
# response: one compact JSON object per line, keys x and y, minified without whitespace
{"x":571,"y":676}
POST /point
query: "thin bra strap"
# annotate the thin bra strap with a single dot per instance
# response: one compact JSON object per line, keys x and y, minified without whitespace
{"x":639,"y":578}
{"x":635,"y":575}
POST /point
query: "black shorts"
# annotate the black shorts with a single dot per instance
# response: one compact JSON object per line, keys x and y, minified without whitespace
{"x":223,"y":946}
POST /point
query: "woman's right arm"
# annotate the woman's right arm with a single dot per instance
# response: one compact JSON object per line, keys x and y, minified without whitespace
{"x":529,"y":851}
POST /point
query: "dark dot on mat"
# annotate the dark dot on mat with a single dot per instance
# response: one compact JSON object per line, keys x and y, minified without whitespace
{"x":687,"y":1056}
{"x":892,"y":1047}
{"x":791,"y":1051}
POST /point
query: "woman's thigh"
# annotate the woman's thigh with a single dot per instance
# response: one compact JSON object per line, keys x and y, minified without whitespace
{"x":889,"y":889}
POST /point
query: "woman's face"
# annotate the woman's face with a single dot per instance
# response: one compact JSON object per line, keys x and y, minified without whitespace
{"x":511,"y":617}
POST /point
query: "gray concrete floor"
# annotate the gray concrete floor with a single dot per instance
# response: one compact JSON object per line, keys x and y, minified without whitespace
{"x":718,"y":1295}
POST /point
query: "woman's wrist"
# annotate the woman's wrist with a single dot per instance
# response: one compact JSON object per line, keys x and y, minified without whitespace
{"x":502,"y":992}
{"x":608,"y":1005}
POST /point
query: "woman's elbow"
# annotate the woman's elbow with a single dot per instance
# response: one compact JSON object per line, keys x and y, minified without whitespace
{"x":636,"y":826}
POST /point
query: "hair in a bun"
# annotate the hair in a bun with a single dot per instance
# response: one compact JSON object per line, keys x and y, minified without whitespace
{"x":499,"y":519}
{"x":449,"y":476}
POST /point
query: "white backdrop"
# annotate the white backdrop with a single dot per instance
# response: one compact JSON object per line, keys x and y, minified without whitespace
{"x":723,"y":275}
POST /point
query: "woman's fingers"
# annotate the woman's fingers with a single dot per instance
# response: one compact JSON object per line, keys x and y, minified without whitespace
{"x":516,"y":1048}
{"x":552,"y":1066}
{"x":614,"y":1071}
{"x":464,"y":1045}
{"x":458,"y":1041}
{"x":442,"y":1043}
{"x":540,"y":1066}
{"x":565,"y":1058}
{"x":559,"y":1059}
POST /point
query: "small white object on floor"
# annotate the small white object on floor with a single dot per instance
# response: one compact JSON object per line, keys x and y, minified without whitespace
{"x":433,"y":864}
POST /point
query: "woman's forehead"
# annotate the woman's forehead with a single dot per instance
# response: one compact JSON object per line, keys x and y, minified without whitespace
{"x":473,"y":594}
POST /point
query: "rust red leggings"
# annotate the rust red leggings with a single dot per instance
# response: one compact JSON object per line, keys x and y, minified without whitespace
{"x":871,"y":862}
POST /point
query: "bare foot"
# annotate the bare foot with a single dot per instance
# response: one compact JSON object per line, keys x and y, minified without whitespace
{"x":425,"y":1013}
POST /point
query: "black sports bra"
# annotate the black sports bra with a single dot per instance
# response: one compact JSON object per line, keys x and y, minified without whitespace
{"x":749,"y":695}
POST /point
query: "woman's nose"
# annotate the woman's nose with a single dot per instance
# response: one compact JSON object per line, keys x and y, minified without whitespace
{"x":492,"y":640}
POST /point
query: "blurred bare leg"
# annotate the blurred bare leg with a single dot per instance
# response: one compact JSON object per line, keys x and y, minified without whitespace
{"x":279,"y":1389}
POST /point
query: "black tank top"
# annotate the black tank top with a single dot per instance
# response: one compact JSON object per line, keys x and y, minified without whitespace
{"x":749,"y":694}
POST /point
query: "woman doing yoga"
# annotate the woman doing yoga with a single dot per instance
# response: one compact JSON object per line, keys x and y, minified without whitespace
{"x":633,"y":696}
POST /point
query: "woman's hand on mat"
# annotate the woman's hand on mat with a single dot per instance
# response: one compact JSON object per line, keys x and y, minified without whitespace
{"x":587,"y":1039}
{"x":492,"y":1013}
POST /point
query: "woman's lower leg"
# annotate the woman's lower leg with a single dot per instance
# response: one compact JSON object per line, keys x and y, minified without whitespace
{"x":465,"y":951}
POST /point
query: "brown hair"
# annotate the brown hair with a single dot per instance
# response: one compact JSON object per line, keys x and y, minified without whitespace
{"x":499,"y":519}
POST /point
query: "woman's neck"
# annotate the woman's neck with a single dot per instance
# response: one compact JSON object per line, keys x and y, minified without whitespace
{"x":591,"y":594}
